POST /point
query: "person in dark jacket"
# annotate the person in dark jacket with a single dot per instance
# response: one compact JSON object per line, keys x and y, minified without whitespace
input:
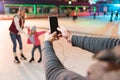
{"x":94,"y":15}
{"x":108,"y":56}
{"x":111,"y":16}
{"x":15,"y":29}
{"x":117,"y":15}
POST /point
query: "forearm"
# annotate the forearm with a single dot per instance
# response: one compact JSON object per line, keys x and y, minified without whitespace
{"x":17,"y":25}
{"x":51,"y":63}
{"x":94,"y":44}
{"x":53,"y":67}
{"x":41,"y":32}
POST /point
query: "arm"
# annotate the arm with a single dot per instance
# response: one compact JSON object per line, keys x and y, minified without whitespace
{"x":40,"y":33}
{"x":94,"y":44}
{"x":53,"y":67}
{"x":16,"y":21}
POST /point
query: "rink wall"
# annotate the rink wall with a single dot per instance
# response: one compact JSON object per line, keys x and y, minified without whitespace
{"x":9,"y":17}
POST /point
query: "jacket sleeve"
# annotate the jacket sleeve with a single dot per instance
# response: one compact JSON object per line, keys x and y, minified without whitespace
{"x":94,"y":44}
{"x":40,"y":33}
{"x":17,"y":25}
{"x":28,"y":40}
{"x":54,"y":69}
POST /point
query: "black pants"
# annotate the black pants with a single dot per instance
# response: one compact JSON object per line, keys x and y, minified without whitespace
{"x":74,"y":18}
{"x":34,"y":48}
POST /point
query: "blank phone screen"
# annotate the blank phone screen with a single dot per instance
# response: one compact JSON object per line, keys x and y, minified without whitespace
{"x":53,"y":24}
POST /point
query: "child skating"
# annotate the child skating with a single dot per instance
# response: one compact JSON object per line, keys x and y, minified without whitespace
{"x":33,"y":39}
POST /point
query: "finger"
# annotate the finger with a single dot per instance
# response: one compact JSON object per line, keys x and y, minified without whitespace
{"x":63,"y":28}
{"x":60,"y":35}
{"x":54,"y":33}
{"x":59,"y":29}
{"x":57,"y":38}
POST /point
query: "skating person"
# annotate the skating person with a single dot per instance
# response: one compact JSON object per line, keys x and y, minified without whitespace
{"x":111,"y":17}
{"x":74,"y":14}
{"x":33,"y":39}
{"x":94,"y":15}
{"x":15,"y":29}
{"x":116,"y":15}
{"x":105,"y":13}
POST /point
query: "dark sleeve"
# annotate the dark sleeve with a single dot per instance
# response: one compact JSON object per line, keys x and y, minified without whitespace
{"x":94,"y":44}
{"x":54,"y":69}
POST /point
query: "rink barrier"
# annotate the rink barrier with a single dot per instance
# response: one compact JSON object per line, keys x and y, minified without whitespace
{"x":9,"y":17}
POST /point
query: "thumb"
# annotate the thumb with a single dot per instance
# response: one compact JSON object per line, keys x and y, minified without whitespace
{"x":59,"y":29}
{"x":54,"y":34}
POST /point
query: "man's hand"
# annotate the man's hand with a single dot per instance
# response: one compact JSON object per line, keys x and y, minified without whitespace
{"x":65,"y":33}
{"x":50,"y":37}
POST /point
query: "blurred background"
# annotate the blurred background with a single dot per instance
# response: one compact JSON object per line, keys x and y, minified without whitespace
{"x":99,"y":18}
{"x":62,"y":8}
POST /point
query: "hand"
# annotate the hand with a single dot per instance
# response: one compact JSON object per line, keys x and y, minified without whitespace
{"x":50,"y":37}
{"x":65,"y":33}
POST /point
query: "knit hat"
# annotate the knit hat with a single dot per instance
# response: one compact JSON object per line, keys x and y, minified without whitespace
{"x":33,"y":28}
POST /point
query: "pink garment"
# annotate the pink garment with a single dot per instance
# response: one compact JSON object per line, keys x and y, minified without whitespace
{"x":36,"y":35}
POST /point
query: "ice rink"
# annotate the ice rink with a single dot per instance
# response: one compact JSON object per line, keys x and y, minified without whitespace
{"x":74,"y":59}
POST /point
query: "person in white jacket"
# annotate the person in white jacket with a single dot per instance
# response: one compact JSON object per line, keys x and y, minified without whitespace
{"x":15,"y":29}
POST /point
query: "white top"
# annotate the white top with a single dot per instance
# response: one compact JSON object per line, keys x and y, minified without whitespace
{"x":17,"y":25}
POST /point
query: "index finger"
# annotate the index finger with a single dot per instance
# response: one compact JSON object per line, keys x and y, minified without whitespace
{"x":54,"y":33}
{"x":60,"y":29}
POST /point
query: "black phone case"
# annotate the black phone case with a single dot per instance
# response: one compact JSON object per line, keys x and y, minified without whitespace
{"x":53,"y":24}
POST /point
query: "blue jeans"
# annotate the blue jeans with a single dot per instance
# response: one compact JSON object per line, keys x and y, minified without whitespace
{"x":15,"y":37}
{"x":34,"y":48}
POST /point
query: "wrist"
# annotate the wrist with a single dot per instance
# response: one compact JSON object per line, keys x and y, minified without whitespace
{"x":69,"y":38}
{"x":48,"y":40}
{"x":47,"y":43}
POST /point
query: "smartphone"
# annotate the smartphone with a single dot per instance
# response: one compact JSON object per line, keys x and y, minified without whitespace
{"x":53,"y":20}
